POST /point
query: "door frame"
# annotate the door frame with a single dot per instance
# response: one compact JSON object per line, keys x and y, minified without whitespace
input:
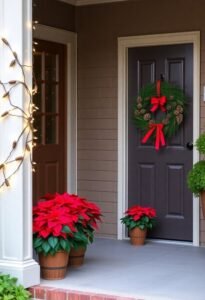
{"x":124,"y":43}
{"x":69,"y":39}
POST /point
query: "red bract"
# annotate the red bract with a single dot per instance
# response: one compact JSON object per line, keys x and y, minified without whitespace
{"x":53,"y":212}
{"x":138,"y":211}
{"x":141,"y":217}
{"x":52,"y":221}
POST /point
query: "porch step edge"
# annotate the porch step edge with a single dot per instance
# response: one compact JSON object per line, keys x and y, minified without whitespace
{"x":48,"y":293}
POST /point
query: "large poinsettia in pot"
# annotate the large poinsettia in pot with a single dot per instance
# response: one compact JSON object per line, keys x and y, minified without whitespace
{"x":53,"y":228}
{"x":138,"y":220}
{"x":85,"y":216}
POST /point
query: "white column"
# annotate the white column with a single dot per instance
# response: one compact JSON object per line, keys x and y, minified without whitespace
{"x":16,"y":253}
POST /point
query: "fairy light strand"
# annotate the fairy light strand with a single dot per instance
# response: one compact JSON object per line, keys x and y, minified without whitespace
{"x":27,"y":133}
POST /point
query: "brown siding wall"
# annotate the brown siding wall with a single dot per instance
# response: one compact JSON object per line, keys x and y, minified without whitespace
{"x":98,"y":28}
{"x":54,"y":13}
{"x":202,"y":118}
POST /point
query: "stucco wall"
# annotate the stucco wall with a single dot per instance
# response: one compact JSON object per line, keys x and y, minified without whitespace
{"x":98,"y":28}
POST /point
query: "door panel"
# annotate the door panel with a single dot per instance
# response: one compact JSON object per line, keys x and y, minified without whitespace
{"x":50,"y":120}
{"x":158,"y":178}
{"x":174,"y":190}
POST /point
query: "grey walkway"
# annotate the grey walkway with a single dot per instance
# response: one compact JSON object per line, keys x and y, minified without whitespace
{"x":154,"y":271}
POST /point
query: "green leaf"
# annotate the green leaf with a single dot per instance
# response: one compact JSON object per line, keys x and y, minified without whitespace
{"x":68,"y":246}
{"x":146,"y":219}
{"x":8,"y":297}
{"x":9,"y":290}
{"x":79,"y":236}
{"x":63,"y":244}
{"x":39,"y":249}
{"x":53,"y":241}
{"x":58,"y":247}
{"x":132,"y":224}
{"x":46,"y":247}
{"x":37,"y":242}
{"x":66,"y":229}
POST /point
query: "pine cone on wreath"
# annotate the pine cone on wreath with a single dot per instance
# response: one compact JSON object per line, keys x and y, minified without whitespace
{"x":142,"y":111}
{"x":137,"y":113}
{"x":179,"y":108}
{"x":147,"y":116}
{"x":139,"y":99}
{"x":165,"y":121}
{"x":151,"y":122}
{"x":179,"y":119}
{"x":176,"y":112}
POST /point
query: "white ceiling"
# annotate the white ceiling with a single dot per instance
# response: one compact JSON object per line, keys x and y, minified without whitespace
{"x":87,"y":2}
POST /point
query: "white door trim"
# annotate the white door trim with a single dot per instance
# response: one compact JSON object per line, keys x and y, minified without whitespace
{"x":70,"y":40}
{"x":150,"y":40}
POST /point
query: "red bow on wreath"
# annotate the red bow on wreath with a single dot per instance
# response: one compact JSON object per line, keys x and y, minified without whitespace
{"x":160,"y":140}
{"x":158,"y":102}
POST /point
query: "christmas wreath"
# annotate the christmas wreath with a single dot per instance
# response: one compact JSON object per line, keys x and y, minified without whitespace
{"x":166,"y":98}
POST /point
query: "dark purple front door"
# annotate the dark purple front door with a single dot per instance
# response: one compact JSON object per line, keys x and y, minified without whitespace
{"x":158,"y":178}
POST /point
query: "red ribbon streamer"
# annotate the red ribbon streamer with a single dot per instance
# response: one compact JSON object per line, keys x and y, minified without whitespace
{"x":158,"y":102}
{"x":160,"y":140}
{"x":158,"y":88}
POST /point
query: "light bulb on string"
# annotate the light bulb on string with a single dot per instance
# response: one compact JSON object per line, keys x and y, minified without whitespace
{"x":12,"y":162}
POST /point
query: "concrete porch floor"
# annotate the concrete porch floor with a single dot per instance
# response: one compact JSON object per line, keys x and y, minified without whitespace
{"x":154,"y":271}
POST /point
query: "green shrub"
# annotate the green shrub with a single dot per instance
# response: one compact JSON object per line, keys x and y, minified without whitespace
{"x":200,"y":143}
{"x":9,"y":290}
{"x":196,"y":178}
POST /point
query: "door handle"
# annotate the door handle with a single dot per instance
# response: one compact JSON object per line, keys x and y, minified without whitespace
{"x":190,"y":146}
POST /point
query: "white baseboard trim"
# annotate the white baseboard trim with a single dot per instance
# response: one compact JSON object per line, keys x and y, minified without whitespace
{"x":27,"y":272}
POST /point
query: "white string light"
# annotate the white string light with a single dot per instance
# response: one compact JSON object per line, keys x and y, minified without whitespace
{"x":15,"y":111}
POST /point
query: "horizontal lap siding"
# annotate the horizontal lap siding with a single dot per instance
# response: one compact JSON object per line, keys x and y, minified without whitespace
{"x":202,"y":120}
{"x":98,"y":28}
{"x":97,"y":132}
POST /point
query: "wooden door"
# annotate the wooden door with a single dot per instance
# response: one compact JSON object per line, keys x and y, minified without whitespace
{"x":50,"y":119}
{"x":158,"y":178}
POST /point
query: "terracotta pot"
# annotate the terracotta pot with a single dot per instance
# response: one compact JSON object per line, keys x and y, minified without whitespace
{"x":203,"y":203}
{"x":137,"y":236}
{"x":54,"y":267}
{"x":76,"y":258}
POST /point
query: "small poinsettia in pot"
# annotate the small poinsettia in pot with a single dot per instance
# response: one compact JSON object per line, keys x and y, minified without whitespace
{"x":53,"y":228}
{"x":138,"y":220}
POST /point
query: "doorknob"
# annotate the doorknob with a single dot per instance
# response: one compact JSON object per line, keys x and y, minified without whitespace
{"x":189,"y":146}
{"x":162,"y":77}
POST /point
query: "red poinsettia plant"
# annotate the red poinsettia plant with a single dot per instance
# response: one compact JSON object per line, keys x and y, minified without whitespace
{"x":138,"y":216}
{"x":61,"y":221}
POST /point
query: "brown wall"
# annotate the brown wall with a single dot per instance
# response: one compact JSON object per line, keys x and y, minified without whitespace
{"x":54,"y":13}
{"x":98,"y":28}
